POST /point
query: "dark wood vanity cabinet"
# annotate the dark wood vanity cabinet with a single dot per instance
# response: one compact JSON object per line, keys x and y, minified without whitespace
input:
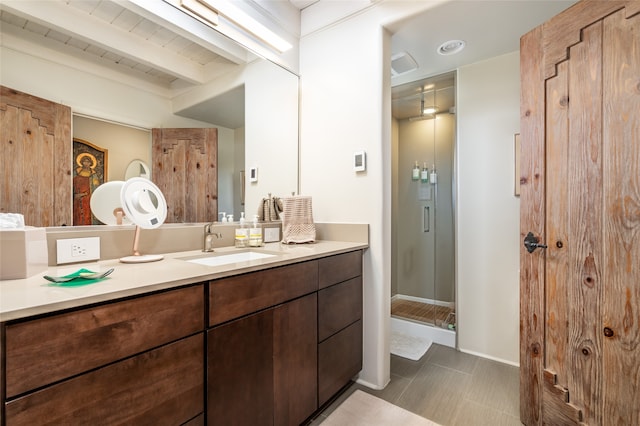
{"x":339,"y":322}
{"x":137,"y":361}
{"x":263,"y":348}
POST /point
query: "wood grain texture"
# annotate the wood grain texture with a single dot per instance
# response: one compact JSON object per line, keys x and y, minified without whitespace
{"x":339,"y":360}
{"x":240,"y":372}
{"x":162,"y":387}
{"x":564,"y":29}
{"x":532,"y":211}
{"x":38,"y":351}
{"x":233,"y":297}
{"x":338,"y":268}
{"x":339,"y":306}
{"x":557,"y":221}
{"x":185,"y":169}
{"x":35,"y":160}
{"x":621,"y":263}
{"x":295,"y":360}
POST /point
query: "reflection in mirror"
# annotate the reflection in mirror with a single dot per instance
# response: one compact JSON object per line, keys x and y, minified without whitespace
{"x":137,"y":168}
{"x":147,"y":73}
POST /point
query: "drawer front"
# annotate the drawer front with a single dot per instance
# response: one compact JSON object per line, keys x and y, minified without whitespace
{"x":233,"y":297}
{"x":339,"y":360}
{"x":164,"y":386}
{"x":339,"y":306}
{"x":338,"y":268}
{"x":49,"y":349}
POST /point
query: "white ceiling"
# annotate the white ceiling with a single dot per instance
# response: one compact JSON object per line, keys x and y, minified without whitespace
{"x":489,"y":28}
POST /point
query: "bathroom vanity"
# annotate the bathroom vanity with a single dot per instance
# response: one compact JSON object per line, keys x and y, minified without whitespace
{"x":262,"y":342}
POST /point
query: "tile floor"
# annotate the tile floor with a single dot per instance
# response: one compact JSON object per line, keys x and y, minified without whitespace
{"x":450,"y":388}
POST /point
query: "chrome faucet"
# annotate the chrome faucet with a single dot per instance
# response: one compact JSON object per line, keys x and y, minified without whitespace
{"x":207,"y":245}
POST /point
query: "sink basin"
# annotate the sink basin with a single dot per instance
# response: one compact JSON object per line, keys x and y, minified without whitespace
{"x":218,"y":259}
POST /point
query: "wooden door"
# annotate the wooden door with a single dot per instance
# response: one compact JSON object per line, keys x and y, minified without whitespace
{"x":35,"y":159}
{"x":185,"y":170}
{"x":580,"y":297}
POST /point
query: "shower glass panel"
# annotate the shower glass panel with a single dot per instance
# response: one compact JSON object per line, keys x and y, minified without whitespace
{"x":423,"y":286}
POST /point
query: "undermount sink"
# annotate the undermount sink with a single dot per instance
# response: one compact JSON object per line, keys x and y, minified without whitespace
{"x":226,"y":258}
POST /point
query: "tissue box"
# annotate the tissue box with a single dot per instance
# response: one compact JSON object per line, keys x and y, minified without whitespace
{"x":23,"y":252}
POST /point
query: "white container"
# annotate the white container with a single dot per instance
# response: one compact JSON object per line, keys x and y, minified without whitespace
{"x":23,"y":252}
{"x":255,"y":234}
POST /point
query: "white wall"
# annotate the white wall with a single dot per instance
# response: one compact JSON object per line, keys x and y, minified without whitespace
{"x":488,"y":241}
{"x":345,"y":107}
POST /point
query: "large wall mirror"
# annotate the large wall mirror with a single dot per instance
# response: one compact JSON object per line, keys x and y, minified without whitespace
{"x":124,"y":70}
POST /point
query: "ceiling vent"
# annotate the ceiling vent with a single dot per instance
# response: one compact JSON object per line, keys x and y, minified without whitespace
{"x":402,"y":63}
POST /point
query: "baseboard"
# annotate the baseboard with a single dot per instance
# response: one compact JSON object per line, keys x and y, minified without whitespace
{"x":492,"y":358}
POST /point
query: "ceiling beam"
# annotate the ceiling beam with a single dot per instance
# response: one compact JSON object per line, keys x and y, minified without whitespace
{"x":68,"y":20}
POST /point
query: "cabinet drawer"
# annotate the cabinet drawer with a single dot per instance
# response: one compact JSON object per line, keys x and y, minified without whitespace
{"x":338,"y":268}
{"x":164,"y":386}
{"x":339,"y":306}
{"x":43,"y":351}
{"x":339,"y":360}
{"x":241,"y":295}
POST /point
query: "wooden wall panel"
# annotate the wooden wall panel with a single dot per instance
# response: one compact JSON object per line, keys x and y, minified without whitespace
{"x":621,"y":172}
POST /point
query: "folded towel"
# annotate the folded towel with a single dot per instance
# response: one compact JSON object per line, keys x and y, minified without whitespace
{"x":11,"y":221}
{"x":297,"y":220}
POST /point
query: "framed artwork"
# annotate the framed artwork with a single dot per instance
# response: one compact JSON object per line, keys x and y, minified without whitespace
{"x":517,"y":164}
{"x":89,"y":171}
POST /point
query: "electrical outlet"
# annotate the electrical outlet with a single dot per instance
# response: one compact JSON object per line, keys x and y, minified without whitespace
{"x":271,"y":234}
{"x":74,"y":250}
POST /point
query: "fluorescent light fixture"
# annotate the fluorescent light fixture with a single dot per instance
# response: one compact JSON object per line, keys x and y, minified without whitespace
{"x":201,"y":10}
{"x":430,"y":110}
{"x":211,"y":8}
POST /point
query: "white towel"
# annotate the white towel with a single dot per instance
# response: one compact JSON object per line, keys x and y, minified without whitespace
{"x":11,"y":221}
{"x":297,"y":220}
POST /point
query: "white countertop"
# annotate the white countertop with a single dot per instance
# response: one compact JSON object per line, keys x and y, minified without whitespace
{"x":35,"y":295}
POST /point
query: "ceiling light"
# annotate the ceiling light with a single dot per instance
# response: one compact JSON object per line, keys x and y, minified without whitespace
{"x":202,"y":11}
{"x":233,"y":13}
{"x":451,"y":47}
{"x":430,"y":110}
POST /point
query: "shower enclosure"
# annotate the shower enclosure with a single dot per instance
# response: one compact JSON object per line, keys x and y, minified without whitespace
{"x":423,"y":253}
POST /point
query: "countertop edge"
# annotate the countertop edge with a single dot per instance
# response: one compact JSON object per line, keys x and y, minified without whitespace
{"x":27,"y":300}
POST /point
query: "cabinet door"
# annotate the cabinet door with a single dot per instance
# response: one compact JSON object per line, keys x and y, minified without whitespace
{"x":160,"y":387}
{"x":295,"y":360}
{"x":240,"y":371}
{"x":262,"y":368}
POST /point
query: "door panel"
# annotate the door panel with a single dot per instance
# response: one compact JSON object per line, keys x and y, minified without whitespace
{"x":580,"y":297}
{"x":35,"y":159}
{"x":185,"y":169}
{"x":621,"y":218}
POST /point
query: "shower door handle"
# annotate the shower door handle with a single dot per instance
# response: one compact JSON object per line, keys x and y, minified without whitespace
{"x":426,"y":219}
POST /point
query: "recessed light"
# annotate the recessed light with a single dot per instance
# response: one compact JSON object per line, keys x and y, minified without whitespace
{"x":451,"y":47}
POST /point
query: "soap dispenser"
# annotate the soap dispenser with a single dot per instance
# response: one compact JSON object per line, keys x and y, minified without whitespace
{"x":415,"y":173}
{"x":242,"y":234}
{"x":424,"y":174}
{"x":255,"y":233}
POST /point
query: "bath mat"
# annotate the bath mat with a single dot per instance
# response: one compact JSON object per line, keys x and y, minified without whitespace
{"x":407,"y":346}
{"x":362,"y":409}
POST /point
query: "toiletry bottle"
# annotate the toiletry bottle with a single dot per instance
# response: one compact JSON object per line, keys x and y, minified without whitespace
{"x":434,"y":175}
{"x":224,"y":216}
{"x":424,"y":174}
{"x":255,"y":233}
{"x":242,"y":234}
{"x":415,"y":173}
